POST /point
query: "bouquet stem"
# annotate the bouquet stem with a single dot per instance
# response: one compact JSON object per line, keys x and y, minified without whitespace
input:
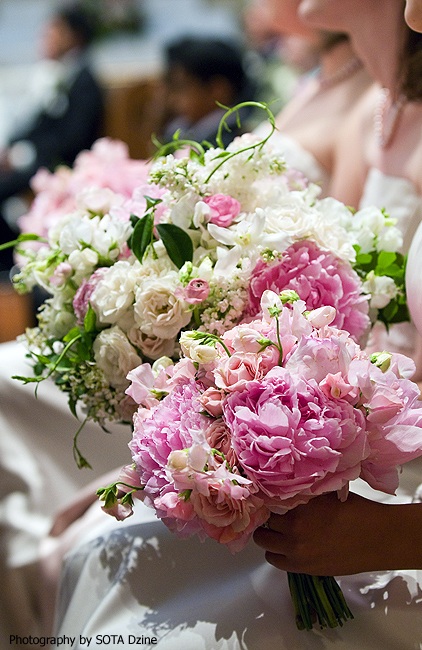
{"x":317,"y":599}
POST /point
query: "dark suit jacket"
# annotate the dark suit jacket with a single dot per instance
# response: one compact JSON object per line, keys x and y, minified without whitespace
{"x":72,"y":123}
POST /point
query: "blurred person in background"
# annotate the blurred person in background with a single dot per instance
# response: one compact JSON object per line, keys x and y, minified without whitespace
{"x":378,"y":157}
{"x":69,"y":122}
{"x":200,"y":73}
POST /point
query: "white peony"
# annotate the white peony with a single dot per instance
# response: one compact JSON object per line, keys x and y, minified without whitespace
{"x":115,"y":356}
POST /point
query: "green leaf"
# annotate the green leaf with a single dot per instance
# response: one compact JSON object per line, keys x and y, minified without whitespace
{"x":74,"y":333}
{"x":385,"y":259}
{"x":142,"y":236}
{"x":177,"y":242}
{"x":90,"y":320}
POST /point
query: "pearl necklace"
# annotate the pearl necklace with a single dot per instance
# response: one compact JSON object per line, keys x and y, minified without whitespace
{"x":344,"y":72}
{"x":386,"y":117}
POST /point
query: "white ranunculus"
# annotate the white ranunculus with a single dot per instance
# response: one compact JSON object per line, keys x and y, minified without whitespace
{"x":113,"y":296}
{"x":381,"y":288}
{"x":158,"y":312}
{"x":115,"y":356}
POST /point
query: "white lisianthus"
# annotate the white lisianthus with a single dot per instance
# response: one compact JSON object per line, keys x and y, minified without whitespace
{"x":115,"y":356}
{"x":158,"y":312}
{"x":381,"y":288}
{"x":114,"y":294}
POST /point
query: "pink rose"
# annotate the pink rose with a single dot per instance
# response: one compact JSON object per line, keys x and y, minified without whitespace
{"x":212,"y":401}
{"x":218,"y":437}
{"x":224,"y":209}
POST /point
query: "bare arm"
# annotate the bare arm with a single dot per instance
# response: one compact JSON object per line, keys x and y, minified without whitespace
{"x":330,"y":537}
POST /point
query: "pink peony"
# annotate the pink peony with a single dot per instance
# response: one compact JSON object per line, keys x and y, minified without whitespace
{"x":320,"y":278}
{"x":170,"y":426}
{"x":292,"y":440}
{"x":224,"y":209}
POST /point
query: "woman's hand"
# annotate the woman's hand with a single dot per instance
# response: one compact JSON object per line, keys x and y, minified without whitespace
{"x":330,"y":537}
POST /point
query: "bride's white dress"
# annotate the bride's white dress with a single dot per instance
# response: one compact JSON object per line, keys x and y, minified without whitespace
{"x":135,"y":578}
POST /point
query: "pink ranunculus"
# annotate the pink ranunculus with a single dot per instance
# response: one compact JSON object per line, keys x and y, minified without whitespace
{"x":224,"y":209}
{"x":84,"y":293}
{"x":195,"y":292}
{"x":320,"y":278}
{"x":293,"y":441}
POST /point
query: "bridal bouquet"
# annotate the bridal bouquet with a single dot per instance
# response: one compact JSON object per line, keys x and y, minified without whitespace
{"x":263,"y":418}
{"x":194,"y":246}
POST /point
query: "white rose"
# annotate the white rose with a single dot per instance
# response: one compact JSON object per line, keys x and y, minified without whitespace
{"x":113,"y":296}
{"x":158,"y":312}
{"x":115,"y":356}
{"x":381,"y":288}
